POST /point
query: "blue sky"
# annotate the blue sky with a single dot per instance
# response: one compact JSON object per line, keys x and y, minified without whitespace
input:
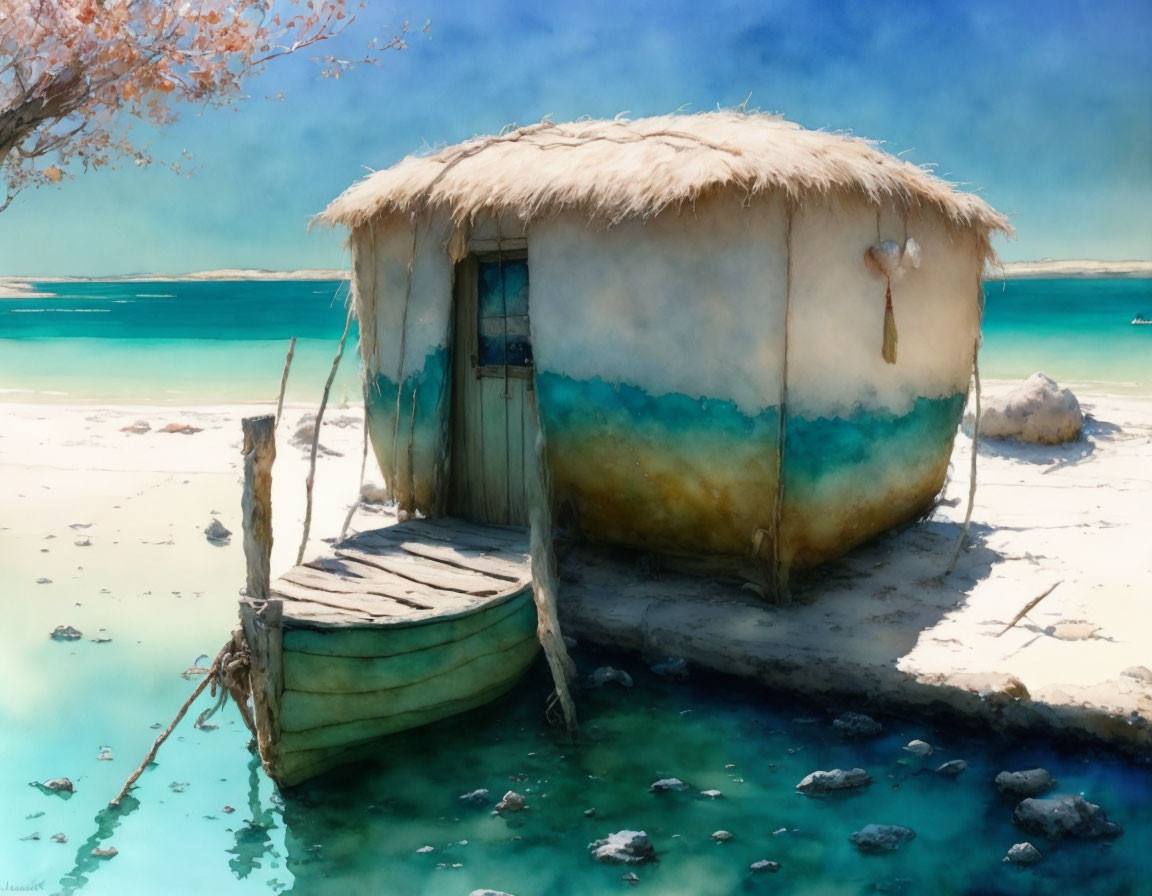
{"x":1044,"y":108}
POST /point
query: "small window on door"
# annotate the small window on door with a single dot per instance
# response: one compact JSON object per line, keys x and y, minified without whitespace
{"x":502,"y":337}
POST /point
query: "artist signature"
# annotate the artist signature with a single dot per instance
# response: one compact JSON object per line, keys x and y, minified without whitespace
{"x":22,"y":888}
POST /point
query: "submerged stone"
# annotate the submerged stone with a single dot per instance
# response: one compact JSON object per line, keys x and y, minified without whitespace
{"x":65,"y":633}
{"x":512,"y":802}
{"x":764,"y":865}
{"x":607,"y":675}
{"x":479,"y":797}
{"x":919,"y":748}
{"x":881,"y":838}
{"x":56,"y":785}
{"x":1023,"y":854}
{"x":722,"y":836}
{"x":672,"y":668}
{"x":106,"y":853}
{"x":857,"y":724}
{"x":665,"y":785}
{"x":1030,"y":782}
{"x":952,"y":768}
{"x":1065,"y":816}
{"x":489,"y":893}
{"x":835,"y":779}
{"x":711,"y":794}
{"x":624,"y":848}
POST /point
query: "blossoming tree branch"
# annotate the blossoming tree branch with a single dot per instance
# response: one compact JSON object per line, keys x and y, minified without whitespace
{"x":74,"y":73}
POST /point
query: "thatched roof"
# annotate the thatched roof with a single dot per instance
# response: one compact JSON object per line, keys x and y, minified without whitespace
{"x":621,"y":169}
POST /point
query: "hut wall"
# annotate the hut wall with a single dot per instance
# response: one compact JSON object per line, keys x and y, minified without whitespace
{"x":867,"y":443}
{"x":659,"y":349}
{"x":404,"y":284}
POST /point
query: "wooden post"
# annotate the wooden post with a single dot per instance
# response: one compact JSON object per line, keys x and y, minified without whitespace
{"x":256,"y":503}
{"x":263,"y":630}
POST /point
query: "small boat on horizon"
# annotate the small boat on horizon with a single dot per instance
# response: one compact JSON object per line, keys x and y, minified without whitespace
{"x":1141,"y":320}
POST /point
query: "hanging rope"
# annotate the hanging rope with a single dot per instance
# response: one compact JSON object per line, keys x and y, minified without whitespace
{"x":779,"y":569}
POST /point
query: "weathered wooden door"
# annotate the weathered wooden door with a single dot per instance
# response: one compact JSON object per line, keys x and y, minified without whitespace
{"x":492,"y":387}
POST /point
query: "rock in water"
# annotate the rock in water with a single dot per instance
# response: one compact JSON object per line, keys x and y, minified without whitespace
{"x":711,"y":794}
{"x":106,"y":853}
{"x":624,"y":848}
{"x":216,"y":532}
{"x":880,"y":838}
{"x":65,"y":633}
{"x":489,"y":893}
{"x":836,"y":779}
{"x":607,"y":675}
{"x":672,"y":668}
{"x":1023,"y":854}
{"x":764,"y":865}
{"x":856,"y":724}
{"x":1037,"y":411}
{"x":1031,"y":782}
{"x":722,"y":836}
{"x":953,"y":768}
{"x":919,"y":748}
{"x":1065,"y":816}
{"x":479,"y":797}
{"x":665,"y":785}
{"x":56,"y":785}
{"x":512,"y":802}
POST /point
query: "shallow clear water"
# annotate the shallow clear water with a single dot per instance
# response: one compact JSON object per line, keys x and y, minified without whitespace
{"x":1076,"y":331}
{"x":211,"y":341}
{"x":174,"y":342}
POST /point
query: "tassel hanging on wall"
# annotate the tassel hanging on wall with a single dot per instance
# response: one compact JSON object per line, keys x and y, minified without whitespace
{"x":890,"y":336}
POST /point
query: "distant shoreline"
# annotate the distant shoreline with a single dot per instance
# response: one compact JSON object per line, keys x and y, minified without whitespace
{"x":21,"y":287}
{"x":1071,"y":269}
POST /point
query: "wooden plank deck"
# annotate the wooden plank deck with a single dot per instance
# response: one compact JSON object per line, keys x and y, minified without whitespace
{"x":406,"y":574}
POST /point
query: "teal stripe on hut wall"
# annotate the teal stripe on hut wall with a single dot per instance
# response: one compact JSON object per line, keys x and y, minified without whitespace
{"x":668,"y":472}
{"x":849,"y":478}
{"x":408,"y":428}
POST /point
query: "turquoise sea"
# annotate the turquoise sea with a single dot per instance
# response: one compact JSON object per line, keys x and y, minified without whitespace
{"x":225,"y":341}
{"x":365,"y":833}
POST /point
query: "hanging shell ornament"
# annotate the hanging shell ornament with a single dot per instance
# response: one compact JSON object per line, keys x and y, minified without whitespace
{"x":912,"y":254}
{"x":885,"y":258}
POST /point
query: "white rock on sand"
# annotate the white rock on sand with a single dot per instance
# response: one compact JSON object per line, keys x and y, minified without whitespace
{"x":1037,"y":411}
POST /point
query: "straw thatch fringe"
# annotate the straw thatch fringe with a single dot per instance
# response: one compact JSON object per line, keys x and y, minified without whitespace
{"x":622,"y":169}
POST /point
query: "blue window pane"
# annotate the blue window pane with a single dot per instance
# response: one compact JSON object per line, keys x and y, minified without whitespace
{"x":502,"y":303}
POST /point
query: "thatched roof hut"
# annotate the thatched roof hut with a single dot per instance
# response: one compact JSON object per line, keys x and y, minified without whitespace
{"x":699,"y":314}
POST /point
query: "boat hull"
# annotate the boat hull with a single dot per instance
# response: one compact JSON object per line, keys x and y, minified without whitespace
{"x":326,"y":693}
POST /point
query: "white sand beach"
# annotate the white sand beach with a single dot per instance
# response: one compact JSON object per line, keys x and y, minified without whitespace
{"x":98,"y":510}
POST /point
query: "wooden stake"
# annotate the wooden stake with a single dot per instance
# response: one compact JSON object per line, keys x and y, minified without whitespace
{"x":1028,"y":607}
{"x":284,"y":379}
{"x":544,"y":578}
{"x":256,"y":503}
{"x":972,"y":471}
{"x":316,"y":437}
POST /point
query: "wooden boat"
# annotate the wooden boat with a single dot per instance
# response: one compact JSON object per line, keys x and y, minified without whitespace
{"x":392,"y":629}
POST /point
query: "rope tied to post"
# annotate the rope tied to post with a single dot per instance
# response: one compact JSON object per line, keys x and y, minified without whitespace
{"x":228,"y":674}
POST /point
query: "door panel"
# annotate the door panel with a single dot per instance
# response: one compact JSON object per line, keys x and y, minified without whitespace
{"x":492,"y":381}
